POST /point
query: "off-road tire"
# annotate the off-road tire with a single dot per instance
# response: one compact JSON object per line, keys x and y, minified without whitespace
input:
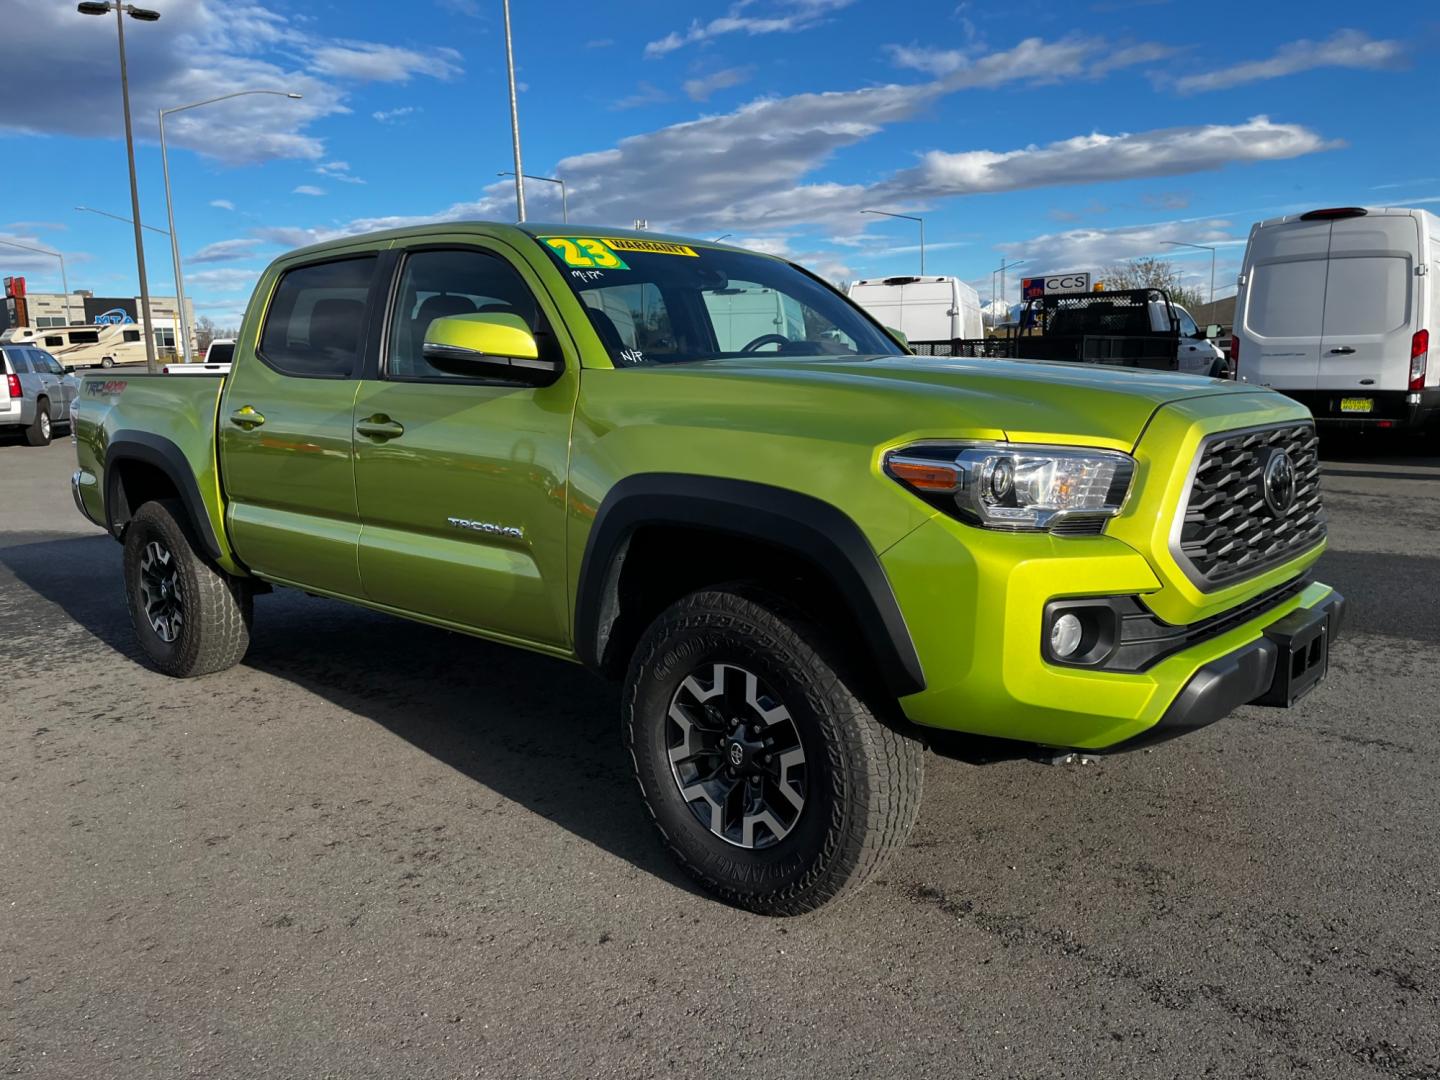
{"x":214,"y":631}
{"x":863,"y":773}
{"x":41,"y":429}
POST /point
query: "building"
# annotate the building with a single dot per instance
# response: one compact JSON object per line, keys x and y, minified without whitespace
{"x":82,"y":307}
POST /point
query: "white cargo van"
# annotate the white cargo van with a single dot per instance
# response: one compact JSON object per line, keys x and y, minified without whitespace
{"x":921,"y":308}
{"x":1335,"y":309}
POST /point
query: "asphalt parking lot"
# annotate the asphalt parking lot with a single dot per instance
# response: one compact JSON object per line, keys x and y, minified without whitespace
{"x":381,"y":850}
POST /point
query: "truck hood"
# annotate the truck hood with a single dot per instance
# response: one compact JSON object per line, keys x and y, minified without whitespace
{"x":1015,"y":399}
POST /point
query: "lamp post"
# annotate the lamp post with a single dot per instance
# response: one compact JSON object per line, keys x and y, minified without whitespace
{"x":117,"y":217}
{"x":722,"y":236}
{"x":514,"y":120}
{"x":104,"y":7}
{"x":1004,"y":266}
{"x":1199,"y":247}
{"x":907,"y":217}
{"x":64,"y":281}
{"x":170,"y":207}
{"x":564,"y":203}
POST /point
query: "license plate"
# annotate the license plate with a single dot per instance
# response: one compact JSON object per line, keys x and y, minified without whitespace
{"x":1357,"y":404}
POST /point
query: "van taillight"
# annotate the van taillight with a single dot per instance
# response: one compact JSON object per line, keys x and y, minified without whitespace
{"x":12,"y":382}
{"x":1234,"y":356}
{"x":1419,"y":350}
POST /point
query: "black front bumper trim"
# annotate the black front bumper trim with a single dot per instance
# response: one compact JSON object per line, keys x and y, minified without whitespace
{"x":1249,"y":675}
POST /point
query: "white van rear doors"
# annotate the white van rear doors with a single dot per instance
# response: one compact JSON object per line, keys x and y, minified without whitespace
{"x":1285,"y":303}
{"x":1369,"y":303}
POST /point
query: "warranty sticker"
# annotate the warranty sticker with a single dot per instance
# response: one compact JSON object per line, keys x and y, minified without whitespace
{"x":654,"y":247}
{"x":585,"y":252}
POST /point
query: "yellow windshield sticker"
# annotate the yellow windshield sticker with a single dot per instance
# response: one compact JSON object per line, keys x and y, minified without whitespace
{"x":653,"y":247}
{"x":586,"y":252}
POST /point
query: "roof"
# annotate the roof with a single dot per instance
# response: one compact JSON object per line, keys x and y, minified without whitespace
{"x":514,"y":231}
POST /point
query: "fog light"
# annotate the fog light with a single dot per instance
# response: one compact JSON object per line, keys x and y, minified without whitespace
{"x":1065,"y":635}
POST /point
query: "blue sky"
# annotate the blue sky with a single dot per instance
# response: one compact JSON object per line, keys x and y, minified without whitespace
{"x":1069,"y":135}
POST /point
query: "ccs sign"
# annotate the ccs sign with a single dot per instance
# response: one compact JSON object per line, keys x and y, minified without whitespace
{"x":1054,"y":285}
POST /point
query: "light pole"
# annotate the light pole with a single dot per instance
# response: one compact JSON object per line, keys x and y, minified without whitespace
{"x":722,"y":236}
{"x":64,"y":281}
{"x":104,"y":7}
{"x":117,"y":217}
{"x":564,"y":203}
{"x":1004,"y":265}
{"x":907,"y":217}
{"x":170,"y":207}
{"x":1199,"y":247}
{"x":514,"y":121}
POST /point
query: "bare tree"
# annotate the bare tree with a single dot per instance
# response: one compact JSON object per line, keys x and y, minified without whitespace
{"x":1152,"y":273}
{"x":205,"y":333}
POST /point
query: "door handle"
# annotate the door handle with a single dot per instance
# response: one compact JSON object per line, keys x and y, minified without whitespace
{"x":379,"y":427}
{"x":1342,"y":350}
{"x":246,"y":418}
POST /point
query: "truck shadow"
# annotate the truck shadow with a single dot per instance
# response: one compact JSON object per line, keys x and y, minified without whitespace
{"x":540,"y":732}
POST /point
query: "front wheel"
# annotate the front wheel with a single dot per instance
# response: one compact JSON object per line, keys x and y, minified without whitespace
{"x":771,"y":780}
{"x":191,"y":618}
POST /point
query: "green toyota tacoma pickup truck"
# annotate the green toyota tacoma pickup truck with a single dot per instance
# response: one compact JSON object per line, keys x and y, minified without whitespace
{"x":705,"y":472}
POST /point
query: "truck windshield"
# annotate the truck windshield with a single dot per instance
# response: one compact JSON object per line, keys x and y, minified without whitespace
{"x":658,"y":302}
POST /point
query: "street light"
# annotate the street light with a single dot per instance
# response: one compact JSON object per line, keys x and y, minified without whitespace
{"x":907,"y":217}
{"x":170,"y":206}
{"x":117,"y":217}
{"x":1200,"y":247}
{"x":64,"y":281}
{"x":1004,"y":266}
{"x":104,"y":7}
{"x":722,"y":236}
{"x":514,"y":121}
{"x":564,"y":204}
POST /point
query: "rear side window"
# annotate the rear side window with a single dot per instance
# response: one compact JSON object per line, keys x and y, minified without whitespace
{"x":54,"y":341}
{"x":1367,"y":295}
{"x":316,"y":323}
{"x":130,"y":335}
{"x":19,"y":362}
{"x":220,"y":354}
{"x":84,"y":337}
{"x":1287,"y":299}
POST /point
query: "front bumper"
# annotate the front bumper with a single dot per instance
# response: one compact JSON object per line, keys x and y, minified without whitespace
{"x":974,"y":604}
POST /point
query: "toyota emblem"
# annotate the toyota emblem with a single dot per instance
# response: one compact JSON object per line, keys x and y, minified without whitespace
{"x":1278,"y":482}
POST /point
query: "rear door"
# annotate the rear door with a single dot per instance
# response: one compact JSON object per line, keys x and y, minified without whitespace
{"x":1370,"y":300}
{"x":286,"y":420}
{"x":1284,"y":309}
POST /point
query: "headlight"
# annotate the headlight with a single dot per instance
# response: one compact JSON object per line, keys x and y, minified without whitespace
{"x":1014,"y":486}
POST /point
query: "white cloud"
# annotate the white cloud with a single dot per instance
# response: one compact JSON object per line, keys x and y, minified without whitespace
{"x":222,"y":204}
{"x":703,"y":86}
{"x":1343,"y":49}
{"x":308,"y":189}
{"x":197,"y":46}
{"x":390,"y":116}
{"x":228,"y":279}
{"x":1034,"y":59}
{"x":371,"y":62}
{"x":645,"y":94}
{"x":225,"y":251}
{"x":787,"y":18}
{"x":337,"y":170}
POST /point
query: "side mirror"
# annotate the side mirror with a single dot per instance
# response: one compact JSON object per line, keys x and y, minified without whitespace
{"x":1213,"y":331}
{"x":898,"y":336}
{"x":488,"y":346}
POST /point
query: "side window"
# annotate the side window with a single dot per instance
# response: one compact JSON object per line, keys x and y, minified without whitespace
{"x":84,"y":337}
{"x":54,"y":341}
{"x":130,"y":335}
{"x":438,"y":284}
{"x":55,"y":365}
{"x":315,"y":327}
{"x":1187,"y":324}
{"x":19,"y":362}
{"x":632,"y":320}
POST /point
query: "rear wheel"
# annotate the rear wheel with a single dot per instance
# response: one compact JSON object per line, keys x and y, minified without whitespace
{"x":39,"y":431}
{"x":191,"y":618}
{"x":771,"y":780}
{"x":108,"y":361}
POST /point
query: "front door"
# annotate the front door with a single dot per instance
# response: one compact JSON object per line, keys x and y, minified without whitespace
{"x":286,"y":423}
{"x":461,"y":482}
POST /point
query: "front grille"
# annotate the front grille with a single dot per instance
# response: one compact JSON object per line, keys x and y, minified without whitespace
{"x":1229,"y":530}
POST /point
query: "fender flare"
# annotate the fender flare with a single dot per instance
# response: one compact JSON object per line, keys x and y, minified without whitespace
{"x":162,"y":454}
{"x":818,"y":532}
